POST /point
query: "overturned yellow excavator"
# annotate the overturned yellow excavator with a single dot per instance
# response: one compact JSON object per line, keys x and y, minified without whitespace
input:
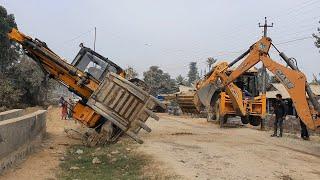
{"x":110,"y":104}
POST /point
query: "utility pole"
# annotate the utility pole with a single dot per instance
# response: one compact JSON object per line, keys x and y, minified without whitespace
{"x":265,"y":26}
{"x":264,"y":71}
{"x":95,"y":38}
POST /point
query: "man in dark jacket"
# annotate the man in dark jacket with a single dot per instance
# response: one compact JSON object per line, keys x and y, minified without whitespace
{"x":280,"y":111}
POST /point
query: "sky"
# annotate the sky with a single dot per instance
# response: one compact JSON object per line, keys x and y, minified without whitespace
{"x":171,"y":33}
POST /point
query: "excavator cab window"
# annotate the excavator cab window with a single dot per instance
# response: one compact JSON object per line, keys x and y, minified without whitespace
{"x":247,"y":83}
{"x":251,"y":84}
{"x":93,"y":63}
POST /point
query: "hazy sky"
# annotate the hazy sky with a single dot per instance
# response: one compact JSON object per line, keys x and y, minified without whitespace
{"x":170,"y":33}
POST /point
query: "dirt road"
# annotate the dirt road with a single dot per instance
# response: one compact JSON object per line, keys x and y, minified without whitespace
{"x":195,"y":149}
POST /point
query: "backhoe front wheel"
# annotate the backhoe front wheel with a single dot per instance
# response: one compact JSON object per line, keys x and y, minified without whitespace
{"x":255,"y":120}
{"x":245,"y":119}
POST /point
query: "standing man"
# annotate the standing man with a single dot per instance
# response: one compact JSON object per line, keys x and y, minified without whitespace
{"x":280,"y":112}
{"x":304,"y":131}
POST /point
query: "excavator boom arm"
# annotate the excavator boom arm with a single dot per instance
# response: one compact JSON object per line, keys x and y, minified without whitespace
{"x":55,"y":66}
{"x":294,"y":81}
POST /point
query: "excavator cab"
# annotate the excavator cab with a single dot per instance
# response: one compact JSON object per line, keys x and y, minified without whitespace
{"x":248,"y":83}
{"x":95,"y":64}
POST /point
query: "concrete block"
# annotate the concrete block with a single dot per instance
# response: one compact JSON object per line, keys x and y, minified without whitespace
{"x":17,"y":136}
{"x":10,"y":114}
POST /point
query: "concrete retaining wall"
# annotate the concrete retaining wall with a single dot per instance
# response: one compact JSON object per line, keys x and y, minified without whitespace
{"x":10,"y":114}
{"x":18,"y":136}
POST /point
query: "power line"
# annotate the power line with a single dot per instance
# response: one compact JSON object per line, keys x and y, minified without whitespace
{"x":302,"y":22}
{"x":294,"y":40}
{"x":296,"y":8}
{"x":300,"y":8}
{"x":302,"y":32}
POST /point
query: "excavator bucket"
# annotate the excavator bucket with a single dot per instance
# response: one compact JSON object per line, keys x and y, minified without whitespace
{"x":206,"y":93}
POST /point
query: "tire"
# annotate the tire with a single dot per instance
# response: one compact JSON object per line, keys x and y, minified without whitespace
{"x":255,"y":120}
{"x":245,"y":119}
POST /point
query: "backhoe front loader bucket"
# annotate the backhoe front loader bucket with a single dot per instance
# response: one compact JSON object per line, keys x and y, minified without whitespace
{"x":206,"y":93}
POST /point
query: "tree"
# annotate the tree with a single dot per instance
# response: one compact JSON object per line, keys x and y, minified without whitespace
{"x":9,"y":94}
{"x":131,"y":73}
{"x":317,"y":38}
{"x":22,"y":80}
{"x":193,"y":74}
{"x":180,"y":80}
{"x":210,"y":62}
{"x":32,"y":82}
{"x":158,"y":81}
{"x":8,"y":55}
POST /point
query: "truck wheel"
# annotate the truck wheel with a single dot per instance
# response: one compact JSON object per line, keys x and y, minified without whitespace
{"x":244,"y":119}
{"x":255,"y":120}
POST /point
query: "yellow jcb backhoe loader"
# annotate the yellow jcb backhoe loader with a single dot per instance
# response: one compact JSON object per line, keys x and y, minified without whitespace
{"x":292,"y":78}
{"x":109,"y":104}
{"x":219,"y":104}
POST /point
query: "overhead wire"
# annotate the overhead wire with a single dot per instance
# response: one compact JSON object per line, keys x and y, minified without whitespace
{"x":294,"y":40}
{"x":286,"y":12}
